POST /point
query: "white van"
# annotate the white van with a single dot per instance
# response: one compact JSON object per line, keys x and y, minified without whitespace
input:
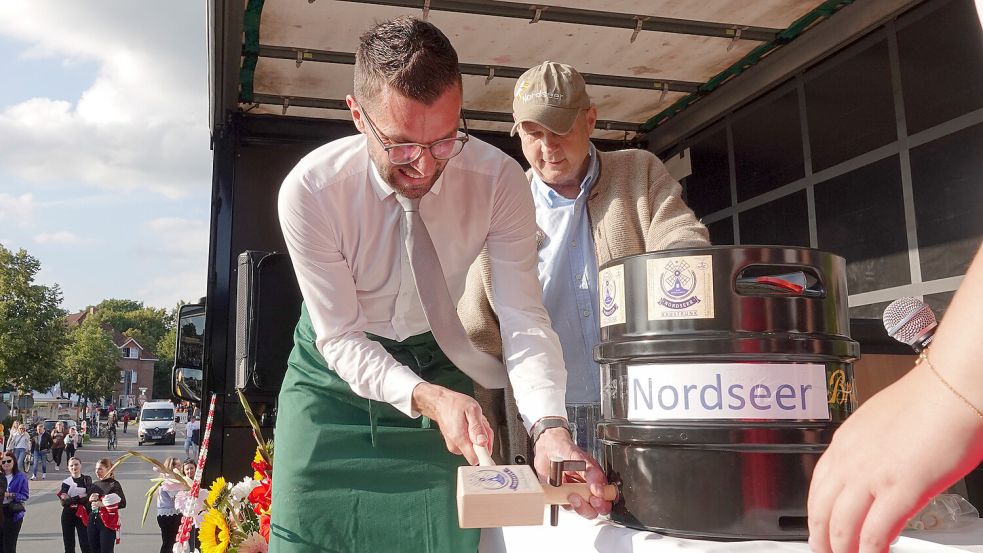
{"x":157,"y":422}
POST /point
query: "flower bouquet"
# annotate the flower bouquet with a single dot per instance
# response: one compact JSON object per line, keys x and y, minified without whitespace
{"x":237,"y":519}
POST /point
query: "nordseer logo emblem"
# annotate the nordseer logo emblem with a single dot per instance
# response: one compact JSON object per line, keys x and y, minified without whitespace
{"x":678,"y":284}
{"x":610,"y":304}
{"x":492,"y":479}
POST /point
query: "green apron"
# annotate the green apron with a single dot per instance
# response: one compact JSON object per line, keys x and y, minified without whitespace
{"x":357,"y":475}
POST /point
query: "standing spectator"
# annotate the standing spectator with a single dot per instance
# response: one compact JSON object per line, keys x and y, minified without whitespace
{"x":85,"y":431}
{"x":190,"y":438}
{"x":168,"y":517}
{"x":126,"y":421}
{"x":197,"y":509}
{"x":104,"y":522}
{"x":58,"y":443}
{"x":20,"y":442}
{"x":73,"y":440}
{"x":40,"y":449}
{"x":2,"y":440}
{"x":113,"y":421}
{"x":15,"y":494}
{"x":75,"y":508}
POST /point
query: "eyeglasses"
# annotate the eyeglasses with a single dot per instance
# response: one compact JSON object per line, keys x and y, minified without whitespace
{"x":408,"y":152}
{"x":7,"y":462}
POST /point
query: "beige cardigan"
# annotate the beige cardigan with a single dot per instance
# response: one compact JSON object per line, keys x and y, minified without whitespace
{"x":634,"y":207}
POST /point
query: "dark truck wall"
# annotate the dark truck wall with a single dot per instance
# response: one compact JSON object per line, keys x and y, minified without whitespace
{"x":252,"y":155}
{"x":872,"y":153}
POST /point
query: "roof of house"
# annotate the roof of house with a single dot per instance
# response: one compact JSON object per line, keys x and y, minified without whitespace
{"x":125,"y":341}
{"x":119,"y":339}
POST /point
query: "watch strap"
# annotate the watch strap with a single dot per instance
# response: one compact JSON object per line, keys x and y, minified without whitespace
{"x":544,"y":424}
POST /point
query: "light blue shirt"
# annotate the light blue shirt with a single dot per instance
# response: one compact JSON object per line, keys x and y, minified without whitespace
{"x":568,"y":274}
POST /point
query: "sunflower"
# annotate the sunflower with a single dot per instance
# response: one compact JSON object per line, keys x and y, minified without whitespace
{"x":214,"y":533}
{"x":216,"y":492}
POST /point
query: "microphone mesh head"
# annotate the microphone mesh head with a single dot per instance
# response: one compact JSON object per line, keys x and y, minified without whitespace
{"x":907,"y":319}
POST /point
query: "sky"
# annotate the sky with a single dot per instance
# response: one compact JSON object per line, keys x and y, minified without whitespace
{"x":105,"y":166}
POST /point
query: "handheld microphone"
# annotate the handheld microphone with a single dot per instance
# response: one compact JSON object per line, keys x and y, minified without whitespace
{"x":910,"y":321}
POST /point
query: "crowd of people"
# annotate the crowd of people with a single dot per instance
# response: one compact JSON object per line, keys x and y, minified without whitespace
{"x":90,"y":517}
{"x":90,"y":507}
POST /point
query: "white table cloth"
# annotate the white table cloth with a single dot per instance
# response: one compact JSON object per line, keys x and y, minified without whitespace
{"x":577,"y":535}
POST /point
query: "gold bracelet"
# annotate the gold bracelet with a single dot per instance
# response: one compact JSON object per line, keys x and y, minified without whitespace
{"x":923,"y":356}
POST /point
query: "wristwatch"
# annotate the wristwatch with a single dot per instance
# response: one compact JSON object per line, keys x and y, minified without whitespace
{"x":544,"y":424}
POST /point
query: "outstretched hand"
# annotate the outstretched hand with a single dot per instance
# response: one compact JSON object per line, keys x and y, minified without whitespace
{"x":903,"y":446}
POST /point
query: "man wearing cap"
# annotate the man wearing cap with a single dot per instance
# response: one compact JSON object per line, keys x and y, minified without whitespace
{"x":591,"y":207}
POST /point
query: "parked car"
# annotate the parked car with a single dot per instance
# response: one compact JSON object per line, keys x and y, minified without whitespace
{"x":132,"y":411}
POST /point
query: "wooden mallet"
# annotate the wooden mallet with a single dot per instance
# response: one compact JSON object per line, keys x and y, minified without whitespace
{"x":490,"y":496}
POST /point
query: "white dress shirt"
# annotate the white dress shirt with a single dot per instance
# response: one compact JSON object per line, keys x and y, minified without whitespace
{"x":343,"y":229}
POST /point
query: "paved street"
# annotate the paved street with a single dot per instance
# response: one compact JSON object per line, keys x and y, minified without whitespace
{"x":42,"y":527}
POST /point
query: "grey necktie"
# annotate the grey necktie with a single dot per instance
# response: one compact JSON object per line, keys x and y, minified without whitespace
{"x":438,"y":306}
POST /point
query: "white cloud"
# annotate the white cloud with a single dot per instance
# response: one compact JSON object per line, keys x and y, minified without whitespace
{"x":167,"y":290}
{"x":19,"y":209}
{"x":179,"y":238}
{"x":177,"y":247}
{"x":136,"y":135}
{"x":59,"y":237}
{"x":142,"y":126}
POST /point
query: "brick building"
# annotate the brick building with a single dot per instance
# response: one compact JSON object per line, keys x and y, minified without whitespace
{"x":136,"y":367}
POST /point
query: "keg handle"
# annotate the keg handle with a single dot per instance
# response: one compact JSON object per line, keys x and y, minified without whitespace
{"x":778,"y":280}
{"x":557,"y":468}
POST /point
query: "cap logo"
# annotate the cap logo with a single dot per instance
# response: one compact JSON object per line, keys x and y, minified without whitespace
{"x":523,"y":85}
{"x":542,"y":94}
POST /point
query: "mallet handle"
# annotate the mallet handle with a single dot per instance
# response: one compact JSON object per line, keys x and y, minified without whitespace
{"x":557,"y":495}
{"x":484,"y":459}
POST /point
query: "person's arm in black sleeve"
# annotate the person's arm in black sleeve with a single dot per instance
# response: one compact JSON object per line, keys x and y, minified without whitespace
{"x":84,"y":500}
{"x":118,"y":489}
{"x":63,"y":496}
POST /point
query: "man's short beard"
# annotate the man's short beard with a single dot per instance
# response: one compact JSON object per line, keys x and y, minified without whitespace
{"x":387,"y":171}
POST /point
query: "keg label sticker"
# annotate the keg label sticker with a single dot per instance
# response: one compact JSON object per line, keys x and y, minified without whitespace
{"x":727,"y":391}
{"x":612,"y":292}
{"x":680,"y":287}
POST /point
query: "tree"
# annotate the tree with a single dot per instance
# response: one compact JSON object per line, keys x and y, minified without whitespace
{"x":90,"y":361}
{"x":146,"y":325}
{"x":32,"y":325}
{"x":165,"y":363}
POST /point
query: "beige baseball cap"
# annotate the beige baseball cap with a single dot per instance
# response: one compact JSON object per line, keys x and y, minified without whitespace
{"x":550,"y":94}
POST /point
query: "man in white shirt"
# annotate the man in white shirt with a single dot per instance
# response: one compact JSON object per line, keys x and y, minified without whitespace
{"x":357,"y":466}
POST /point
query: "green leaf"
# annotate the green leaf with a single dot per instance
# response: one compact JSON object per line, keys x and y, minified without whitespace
{"x":264,"y":449}
{"x":150,"y":498}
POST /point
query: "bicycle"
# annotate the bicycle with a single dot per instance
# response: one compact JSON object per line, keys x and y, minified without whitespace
{"x":111,"y":439}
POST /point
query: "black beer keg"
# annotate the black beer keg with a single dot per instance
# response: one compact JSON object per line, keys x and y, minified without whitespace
{"x":724,"y":373}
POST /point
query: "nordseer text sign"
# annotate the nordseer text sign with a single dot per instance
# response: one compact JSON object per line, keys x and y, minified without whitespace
{"x":727,"y":391}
